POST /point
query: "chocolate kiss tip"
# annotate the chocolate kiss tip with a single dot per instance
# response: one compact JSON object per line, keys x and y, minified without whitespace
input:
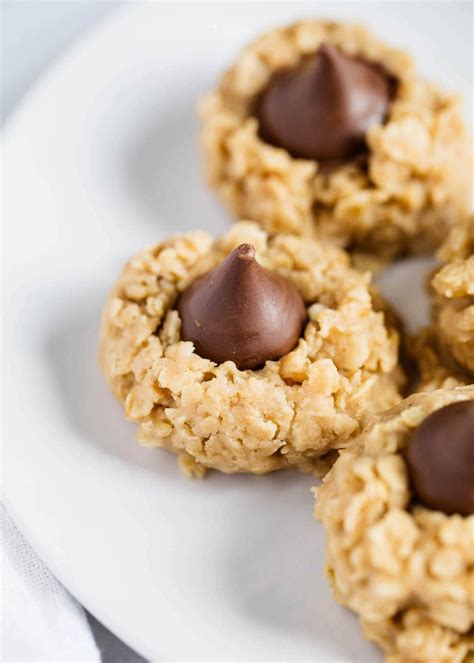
{"x":329,"y":51}
{"x":245,"y":252}
{"x":241,"y":312}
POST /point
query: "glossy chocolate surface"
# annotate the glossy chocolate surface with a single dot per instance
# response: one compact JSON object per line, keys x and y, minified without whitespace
{"x":322,"y":108}
{"x":440,"y":457}
{"x":241,"y":312}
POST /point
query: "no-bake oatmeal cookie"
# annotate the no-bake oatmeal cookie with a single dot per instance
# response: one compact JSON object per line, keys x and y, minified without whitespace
{"x":322,"y":128}
{"x":332,"y":362}
{"x":398,"y":509}
{"x":445,"y":350}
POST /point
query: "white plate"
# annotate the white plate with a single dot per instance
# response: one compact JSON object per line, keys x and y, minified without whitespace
{"x":100,"y":160}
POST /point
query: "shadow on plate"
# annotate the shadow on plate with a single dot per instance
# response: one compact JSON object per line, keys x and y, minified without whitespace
{"x":163,"y":171}
{"x":71,"y":351}
{"x":276,"y":576}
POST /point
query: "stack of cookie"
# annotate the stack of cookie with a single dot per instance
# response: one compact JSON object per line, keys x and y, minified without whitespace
{"x":270,"y":348}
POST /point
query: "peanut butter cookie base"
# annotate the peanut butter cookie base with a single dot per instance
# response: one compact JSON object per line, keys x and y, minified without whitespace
{"x":444,"y":352}
{"x":407,"y":571}
{"x":436,"y":367}
{"x":453,"y":287}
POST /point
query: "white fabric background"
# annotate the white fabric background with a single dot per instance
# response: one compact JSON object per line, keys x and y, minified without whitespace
{"x":40,"y":620}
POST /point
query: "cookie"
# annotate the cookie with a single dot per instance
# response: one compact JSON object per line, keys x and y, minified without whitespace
{"x":445,"y":351}
{"x":453,"y":288}
{"x":398,"y":509}
{"x":435,"y":366}
{"x":248,"y":353}
{"x":378,"y":160}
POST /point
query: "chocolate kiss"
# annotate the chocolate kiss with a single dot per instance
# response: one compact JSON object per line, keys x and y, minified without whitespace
{"x":440,"y":457}
{"x":241,"y":312}
{"x":322,"y":108}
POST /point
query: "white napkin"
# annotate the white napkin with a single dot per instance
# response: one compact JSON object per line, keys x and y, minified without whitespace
{"x":41,"y":621}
